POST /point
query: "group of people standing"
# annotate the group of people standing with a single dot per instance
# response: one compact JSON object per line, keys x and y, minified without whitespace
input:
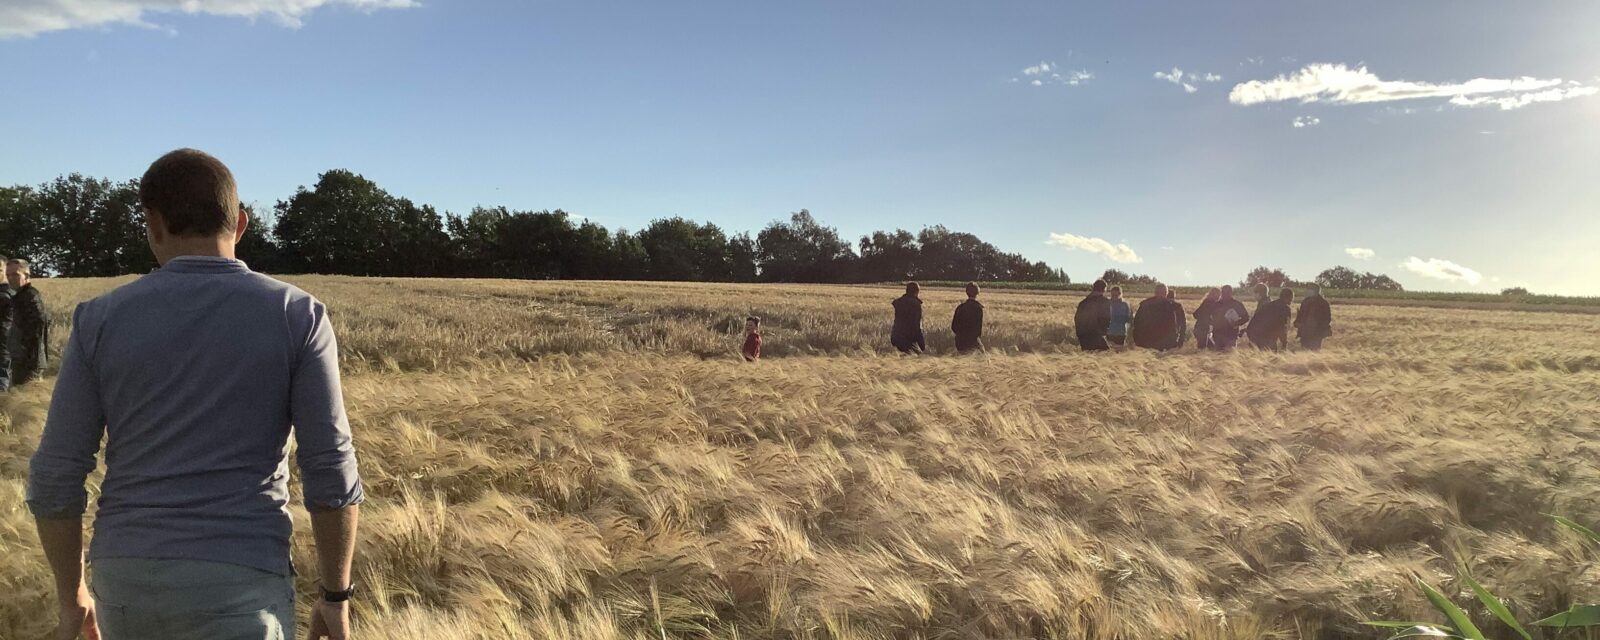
{"x":1159,"y":322}
{"x":24,"y":325}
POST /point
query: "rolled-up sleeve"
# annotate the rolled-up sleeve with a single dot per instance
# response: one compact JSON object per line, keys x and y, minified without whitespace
{"x":326,"y":452}
{"x":72,"y":432}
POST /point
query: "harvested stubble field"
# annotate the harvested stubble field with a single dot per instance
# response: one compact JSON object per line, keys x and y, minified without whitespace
{"x":591,"y":460}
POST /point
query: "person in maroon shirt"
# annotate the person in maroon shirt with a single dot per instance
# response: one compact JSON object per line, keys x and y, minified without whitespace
{"x":752,"y":339}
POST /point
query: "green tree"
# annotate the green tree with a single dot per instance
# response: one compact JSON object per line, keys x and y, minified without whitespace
{"x":78,"y":226}
{"x":347,"y":224}
{"x":802,"y":250}
{"x":888,"y":257}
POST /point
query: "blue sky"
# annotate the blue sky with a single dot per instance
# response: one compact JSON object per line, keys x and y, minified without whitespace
{"x":1457,"y":141}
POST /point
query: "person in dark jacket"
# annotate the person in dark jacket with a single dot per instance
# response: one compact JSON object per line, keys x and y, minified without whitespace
{"x":29,"y":336}
{"x":1093,"y":318}
{"x":1202,"y":319}
{"x":906,"y":335}
{"x":1180,"y":319}
{"x":967,"y":323}
{"x":1269,"y":329}
{"x":1228,"y":316}
{"x":1156,"y":322}
{"x":1314,"y":322}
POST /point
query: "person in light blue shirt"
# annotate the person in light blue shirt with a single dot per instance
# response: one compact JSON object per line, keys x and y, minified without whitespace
{"x":1121,"y":315}
{"x":195,"y":375}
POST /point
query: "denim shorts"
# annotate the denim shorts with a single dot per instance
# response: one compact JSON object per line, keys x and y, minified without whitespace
{"x":140,"y":599}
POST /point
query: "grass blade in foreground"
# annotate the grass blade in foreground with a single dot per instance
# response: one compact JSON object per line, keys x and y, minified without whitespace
{"x":1458,"y":618}
{"x":1582,"y":615}
{"x":1493,"y":604}
{"x":1587,"y":532}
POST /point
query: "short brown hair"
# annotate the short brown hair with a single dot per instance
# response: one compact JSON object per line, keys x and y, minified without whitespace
{"x":753,"y":319}
{"x":22,"y":265}
{"x":193,"y":192}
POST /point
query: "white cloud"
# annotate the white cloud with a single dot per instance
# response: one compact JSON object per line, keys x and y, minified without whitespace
{"x":1518,"y":101}
{"x":1050,"y":73}
{"x":1340,"y":84}
{"x":1360,"y":253}
{"x":1114,"y":252}
{"x":1301,"y":122}
{"x":1185,"y":79}
{"x":26,"y":18}
{"x":1441,"y":269}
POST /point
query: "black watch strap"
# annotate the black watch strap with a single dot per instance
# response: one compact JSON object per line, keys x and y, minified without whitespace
{"x":338,"y":596}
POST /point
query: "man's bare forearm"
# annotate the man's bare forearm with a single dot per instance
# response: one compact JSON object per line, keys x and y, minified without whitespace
{"x":335,"y":534}
{"x":62,"y":540}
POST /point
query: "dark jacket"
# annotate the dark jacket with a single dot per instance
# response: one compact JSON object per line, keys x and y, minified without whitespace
{"x":1270,"y":323}
{"x":5,"y":330}
{"x":907,"y":318}
{"x":1202,"y":315}
{"x":967,"y":324}
{"x":1093,"y":317}
{"x":1315,"y":319}
{"x":29,"y":336}
{"x":1219,"y":317}
{"x":1157,"y":324}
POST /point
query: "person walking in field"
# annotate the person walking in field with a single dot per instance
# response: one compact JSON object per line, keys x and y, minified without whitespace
{"x":752,"y":339}
{"x":1121,"y":316}
{"x":1202,"y":319}
{"x":1181,"y":319}
{"x":1093,"y":319}
{"x":967,"y":324}
{"x":1314,"y":322}
{"x":28,"y":339}
{"x":1228,"y":317}
{"x":195,"y":375}
{"x":5,"y":330}
{"x":906,"y":335}
{"x":1269,"y":328}
{"x":1155,"y":324}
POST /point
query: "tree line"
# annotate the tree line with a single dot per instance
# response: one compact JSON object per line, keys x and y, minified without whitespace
{"x":80,"y":226}
{"x":1334,"y":278}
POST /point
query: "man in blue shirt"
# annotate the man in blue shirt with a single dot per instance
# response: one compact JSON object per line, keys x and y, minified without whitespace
{"x":195,"y":374}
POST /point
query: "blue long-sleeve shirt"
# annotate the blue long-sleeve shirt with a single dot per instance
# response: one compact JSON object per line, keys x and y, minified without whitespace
{"x":1121,"y":315}
{"x":194,"y":374}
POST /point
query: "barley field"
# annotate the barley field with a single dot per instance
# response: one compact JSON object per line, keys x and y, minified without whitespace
{"x":593,"y":460}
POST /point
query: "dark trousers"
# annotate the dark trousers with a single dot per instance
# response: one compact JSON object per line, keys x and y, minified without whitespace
{"x":1117,"y":340}
{"x":1311,"y":344}
{"x":968,"y":344}
{"x":906,"y":343}
{"x":1223,"y":339}
{"x":1093,"y":343}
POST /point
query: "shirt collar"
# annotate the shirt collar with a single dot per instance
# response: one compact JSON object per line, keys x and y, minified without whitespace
{"x":204,"y":265}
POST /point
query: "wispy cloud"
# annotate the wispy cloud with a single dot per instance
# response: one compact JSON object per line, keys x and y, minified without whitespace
{"x":1301,"y":122}
{"x":1185,"y":79}
{"x":1051,"y":73}
{"x":1507,"y":103}
{"x":26,"y":18}
{"x":1441,"y":270}
{"x":1115,"y":252}
{"x":1340,"y":84}
{"x":1360,"y":253}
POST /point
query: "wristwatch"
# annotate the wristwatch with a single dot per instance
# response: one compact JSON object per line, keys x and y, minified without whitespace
{"x":338,"y":596}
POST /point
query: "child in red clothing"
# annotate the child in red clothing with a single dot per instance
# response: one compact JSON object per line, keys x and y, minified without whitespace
{"x":752,"y":339}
